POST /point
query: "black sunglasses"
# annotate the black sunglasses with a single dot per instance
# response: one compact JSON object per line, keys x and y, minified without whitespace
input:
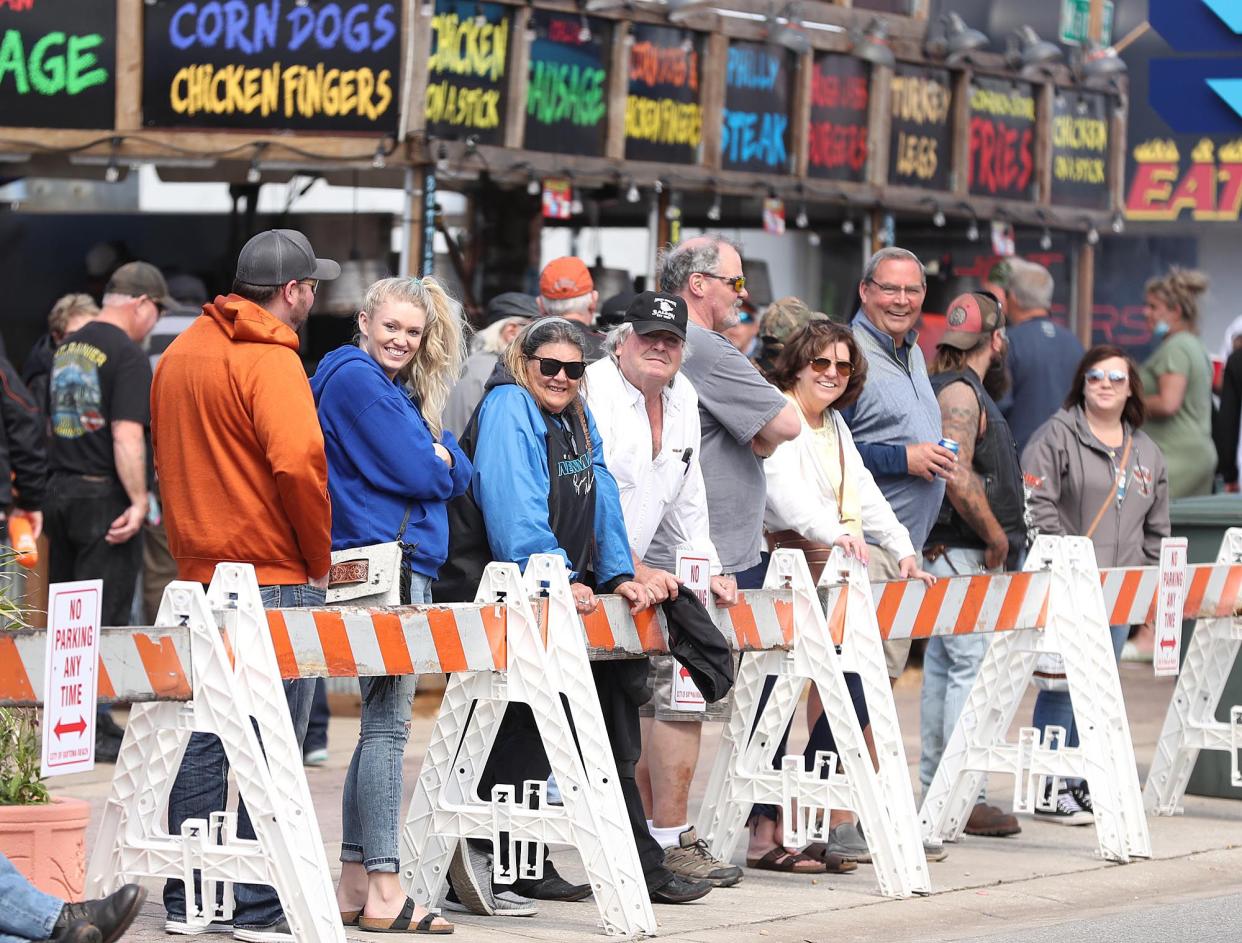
{"x":550,"y":367}
{"x":821,"y":365}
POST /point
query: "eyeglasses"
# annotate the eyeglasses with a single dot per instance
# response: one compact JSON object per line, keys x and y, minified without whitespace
{"x":821,"y":365}
{"x":736,"y":282}
{"x":892,"y":291}
{"x":1114,"y":377}
{"x":311,"y":283}
{"x":550,"y":367}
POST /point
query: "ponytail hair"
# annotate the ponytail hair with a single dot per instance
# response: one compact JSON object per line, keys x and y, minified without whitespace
{"x":437,"y":364}
{"x":1180,"y":289}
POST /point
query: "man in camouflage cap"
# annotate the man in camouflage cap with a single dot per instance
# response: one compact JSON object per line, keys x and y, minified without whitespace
{"x":781,"y":319}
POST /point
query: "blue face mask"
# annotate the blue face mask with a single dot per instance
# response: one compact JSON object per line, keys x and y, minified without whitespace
{"x":1160,"y":330}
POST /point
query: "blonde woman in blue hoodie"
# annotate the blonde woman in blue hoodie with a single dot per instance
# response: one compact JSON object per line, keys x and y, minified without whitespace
{"x":392,"y":469}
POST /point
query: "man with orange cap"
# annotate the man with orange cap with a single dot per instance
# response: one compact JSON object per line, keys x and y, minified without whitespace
{"x":567,"y":290}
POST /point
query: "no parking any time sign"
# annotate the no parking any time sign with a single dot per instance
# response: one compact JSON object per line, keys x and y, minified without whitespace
{"x":69,"y":687}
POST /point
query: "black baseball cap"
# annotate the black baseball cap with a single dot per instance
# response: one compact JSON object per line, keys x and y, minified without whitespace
{"x":510,"y":304}
{"x":280,"y":256}
{"x":653,"y":311}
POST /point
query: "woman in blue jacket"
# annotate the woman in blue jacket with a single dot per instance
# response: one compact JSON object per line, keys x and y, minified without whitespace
{"x":392,"y":469}
{"x":540,"y":485}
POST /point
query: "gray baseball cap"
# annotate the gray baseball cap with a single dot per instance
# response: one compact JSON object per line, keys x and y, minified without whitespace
{"x":280,"y":256}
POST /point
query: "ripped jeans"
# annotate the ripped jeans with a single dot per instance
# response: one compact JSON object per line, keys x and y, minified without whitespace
{"x":371,"y":802}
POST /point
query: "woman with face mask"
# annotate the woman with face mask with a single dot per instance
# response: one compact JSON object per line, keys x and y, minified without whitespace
{"x":392,"y":469}
{"x":1177,"y":378}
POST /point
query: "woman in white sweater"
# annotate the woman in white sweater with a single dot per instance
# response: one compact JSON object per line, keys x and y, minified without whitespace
{"x":820,"y":495}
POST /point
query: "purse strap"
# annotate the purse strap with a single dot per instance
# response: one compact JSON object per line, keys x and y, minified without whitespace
{"x":1112,"y":492}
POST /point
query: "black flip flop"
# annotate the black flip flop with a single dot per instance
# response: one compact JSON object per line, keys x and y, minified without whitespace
{"x":401,"y":923}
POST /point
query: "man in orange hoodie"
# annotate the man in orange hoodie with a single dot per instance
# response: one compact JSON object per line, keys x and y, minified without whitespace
{"x":243,"y":476}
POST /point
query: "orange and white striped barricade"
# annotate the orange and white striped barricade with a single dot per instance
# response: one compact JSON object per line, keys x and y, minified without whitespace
{"x":743,"y":772}
{"x":230,"y":686}
{"x":1073,"y":622}
{"x":1214,"y":599}
{"x":545,"y":659}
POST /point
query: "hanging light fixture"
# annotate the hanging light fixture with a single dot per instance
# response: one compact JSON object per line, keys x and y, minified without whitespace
{"x":714,"y":211}
{"x":951,"y":39}
{"x":871,"y":45}
{"x":847,"y":225}
{"x":1033,"y":56}
{"x":786,"y":31}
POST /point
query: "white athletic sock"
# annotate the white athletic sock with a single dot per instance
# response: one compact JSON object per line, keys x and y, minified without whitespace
{"x":667,"y":837}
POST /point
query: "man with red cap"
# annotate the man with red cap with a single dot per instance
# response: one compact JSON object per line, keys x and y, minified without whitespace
{"x":980,"y":525}
{"x":567,"y":290}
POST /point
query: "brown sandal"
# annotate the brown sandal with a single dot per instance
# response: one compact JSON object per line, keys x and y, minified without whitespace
{"x":349,"y":918}
{"x":788,"y":862}
{"x":401,"y":922}
{"x":833,"y":862}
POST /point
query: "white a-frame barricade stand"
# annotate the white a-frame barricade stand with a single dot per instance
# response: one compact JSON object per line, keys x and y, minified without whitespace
{"x":743,"y":772}
{"x":545,"y":663}
{"x":229,"y":689}
{"x":1190,"y":724}
{"x":1077,"y":628}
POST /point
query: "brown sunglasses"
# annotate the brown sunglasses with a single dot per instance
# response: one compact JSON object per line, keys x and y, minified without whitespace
{"x":821,"y":364}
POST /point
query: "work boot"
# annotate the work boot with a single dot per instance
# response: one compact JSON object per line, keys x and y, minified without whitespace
{"x":679,"y":890}
{"x":111,"y":915}
{"x":691,"y":859}
{"x":989,"y":821}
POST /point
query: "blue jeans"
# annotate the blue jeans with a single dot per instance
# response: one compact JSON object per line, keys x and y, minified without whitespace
{"x":1054,"y":708}
{"x":202,"y":784}
{"x":949,"y":668}
{"x":371,"y":801}
{"x":28,"y":913}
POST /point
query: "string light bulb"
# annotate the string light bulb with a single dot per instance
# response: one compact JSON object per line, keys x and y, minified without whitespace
{"x":847,"y":226}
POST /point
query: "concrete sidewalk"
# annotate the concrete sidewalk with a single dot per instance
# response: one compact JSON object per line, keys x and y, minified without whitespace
{"x":1046,"y":875}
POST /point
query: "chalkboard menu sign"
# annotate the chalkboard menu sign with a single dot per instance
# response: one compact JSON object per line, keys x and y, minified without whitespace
{"x":920,"y":145}
{"x":466,"y":71}
{"x":838,"y":134}
{"x":755,"y":131}
{"x":567,"y":95}
{"x":272,"y":64}
{"x":663,"y":116}
{"x":1002,"y":139}
{"x":1080,"y":150}
{"x":57,"y":63}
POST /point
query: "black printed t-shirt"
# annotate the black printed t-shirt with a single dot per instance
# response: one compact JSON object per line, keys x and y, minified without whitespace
{"x":99,"y":376}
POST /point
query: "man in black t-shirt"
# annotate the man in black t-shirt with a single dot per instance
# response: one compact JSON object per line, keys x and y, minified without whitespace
{"x":100,"y":394}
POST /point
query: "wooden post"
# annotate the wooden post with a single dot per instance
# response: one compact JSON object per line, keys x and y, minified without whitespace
{"x":1084,"y":294}
{"x":1117,"y":131}
{"x":128,"y":65}
{"x":1095,"y":21}
{"x":1045,"y":95}
{"x":800,"y":114}
{"x":715,"y":64}
{"x":879,"y":120}
{"x":519,"y":79}
{"x":618,"y":91}
{"x":416,"y":41}
{"x":959,"y":176}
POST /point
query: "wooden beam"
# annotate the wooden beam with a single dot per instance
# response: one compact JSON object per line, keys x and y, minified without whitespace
{"x":129,"y":65}
{"x":959,"y":168}
{"x":879,"y":121}
{"x":1095,"y":21}
{"x":618,"y":91}
{"x":712,"y":77}
{"x":800,"y":114}
{"x":1117,"y":131}
{"x":1044,"y":100}
{"x":416,"y":41}
{"x":1084,"y":294}
{"x":518,"y":79}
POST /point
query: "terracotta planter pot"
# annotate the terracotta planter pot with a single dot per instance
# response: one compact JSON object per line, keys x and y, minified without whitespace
{"x":47,"y":843}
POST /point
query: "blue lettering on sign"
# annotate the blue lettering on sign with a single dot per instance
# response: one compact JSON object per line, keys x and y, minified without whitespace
{"x":254,"y":28}
{"x":749,"y":68}
{"x":750,"y":137}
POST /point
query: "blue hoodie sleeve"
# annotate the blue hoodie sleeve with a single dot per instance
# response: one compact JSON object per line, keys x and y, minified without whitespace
{"x":612,"y":543}
{"x":462,"y":469}
{"x":883,"y":459}
{"x":389,"y":442}
{"x":511,"y":477}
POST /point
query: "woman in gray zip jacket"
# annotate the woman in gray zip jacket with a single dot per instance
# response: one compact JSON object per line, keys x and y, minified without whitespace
{"x":1091,"y":471}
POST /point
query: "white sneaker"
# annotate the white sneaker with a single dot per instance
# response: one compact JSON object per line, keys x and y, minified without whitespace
{"x":470,"y":874}
{"x":1066,"y":810}
{"x":182,"y":928}
{"x":504,"y":903}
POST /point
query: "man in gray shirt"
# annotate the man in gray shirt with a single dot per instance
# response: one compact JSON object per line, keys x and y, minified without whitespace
{"x":743,"y":419}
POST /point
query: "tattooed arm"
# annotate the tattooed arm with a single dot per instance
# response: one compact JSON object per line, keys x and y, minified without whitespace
{"x":959,"y":410}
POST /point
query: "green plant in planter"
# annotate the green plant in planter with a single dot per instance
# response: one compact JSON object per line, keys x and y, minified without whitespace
{"x":20,"y":747}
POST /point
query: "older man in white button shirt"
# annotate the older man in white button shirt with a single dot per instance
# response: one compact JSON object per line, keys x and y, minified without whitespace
{"x":648,"y":418}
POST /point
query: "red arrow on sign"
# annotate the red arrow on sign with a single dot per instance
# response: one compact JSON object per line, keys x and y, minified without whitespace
{"x":1168,"y":643}
{"x":79,"y":727}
